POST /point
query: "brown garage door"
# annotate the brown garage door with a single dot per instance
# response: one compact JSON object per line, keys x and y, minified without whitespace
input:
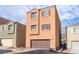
{"x":42,"y":43}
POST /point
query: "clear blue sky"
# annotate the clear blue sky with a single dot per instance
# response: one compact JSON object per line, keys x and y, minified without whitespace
{"x":69,"y":14}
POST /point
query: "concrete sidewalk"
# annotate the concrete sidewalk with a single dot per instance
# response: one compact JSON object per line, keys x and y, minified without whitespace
{"x":74,"y":51}
{"x":71,"y":51}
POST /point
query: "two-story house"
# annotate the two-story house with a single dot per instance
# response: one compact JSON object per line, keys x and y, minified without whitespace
{"x":73,"y":36}
{"x":12,"y":34}
{"x":43,"y":28}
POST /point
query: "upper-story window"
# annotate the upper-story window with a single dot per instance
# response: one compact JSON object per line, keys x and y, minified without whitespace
{"x":10,"y":27}
{"x":45,"y":13}
{"x":76,"y":30}
{"x":0,"y":28}
{"x":33,"y":27}
{"x":45,"y":26}
{"x":3,"y":28}
{"x":33,"y":15}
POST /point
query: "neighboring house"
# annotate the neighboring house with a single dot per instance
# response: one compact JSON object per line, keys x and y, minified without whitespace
{"x":43,"y":28}
{"x":12,"y":34}
{"x":73,"y":36}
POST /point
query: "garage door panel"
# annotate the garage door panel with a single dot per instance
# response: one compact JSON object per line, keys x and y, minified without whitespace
{"x":75,"y":45}
{"x":40,"y":43}
{"x":7,"y":42}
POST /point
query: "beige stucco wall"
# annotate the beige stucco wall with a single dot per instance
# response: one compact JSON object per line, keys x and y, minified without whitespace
{"x":71,"y":36}
{"x":6,"y":34}
{"x":43,"y":34}
{"x":17,"y":34}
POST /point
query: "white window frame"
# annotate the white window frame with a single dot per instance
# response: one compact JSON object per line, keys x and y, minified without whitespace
{"x":76,"y":30}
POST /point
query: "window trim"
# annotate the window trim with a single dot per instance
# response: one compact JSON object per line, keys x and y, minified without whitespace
{"x":3,"y":28}
{"x":45,"y":28}
{"x":47,"y":11}
{"x":9,"y":27}
{"x":33,"y":28}
{"x":34,"y":16}
{"x":76,"y":29}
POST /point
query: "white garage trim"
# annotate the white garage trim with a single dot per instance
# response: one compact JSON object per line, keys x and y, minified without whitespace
{"x":7,"y":42}
{"x":75,"y":44}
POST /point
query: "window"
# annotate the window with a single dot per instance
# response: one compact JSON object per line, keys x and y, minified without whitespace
{"x":45,"y":26}
{"x":33,"y":27}
{"x":45,"y":13}
{"x":76,"y":30}
{"x":33,"y":15}
{"x":2,"y":28}
{"x":10,"y":27}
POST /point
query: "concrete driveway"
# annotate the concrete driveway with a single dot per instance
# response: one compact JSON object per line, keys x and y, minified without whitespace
{"x":6,"y":50}
{"x":37,"y":51}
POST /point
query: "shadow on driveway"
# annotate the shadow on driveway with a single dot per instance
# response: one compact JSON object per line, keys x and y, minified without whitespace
{"x":4,"y":51}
